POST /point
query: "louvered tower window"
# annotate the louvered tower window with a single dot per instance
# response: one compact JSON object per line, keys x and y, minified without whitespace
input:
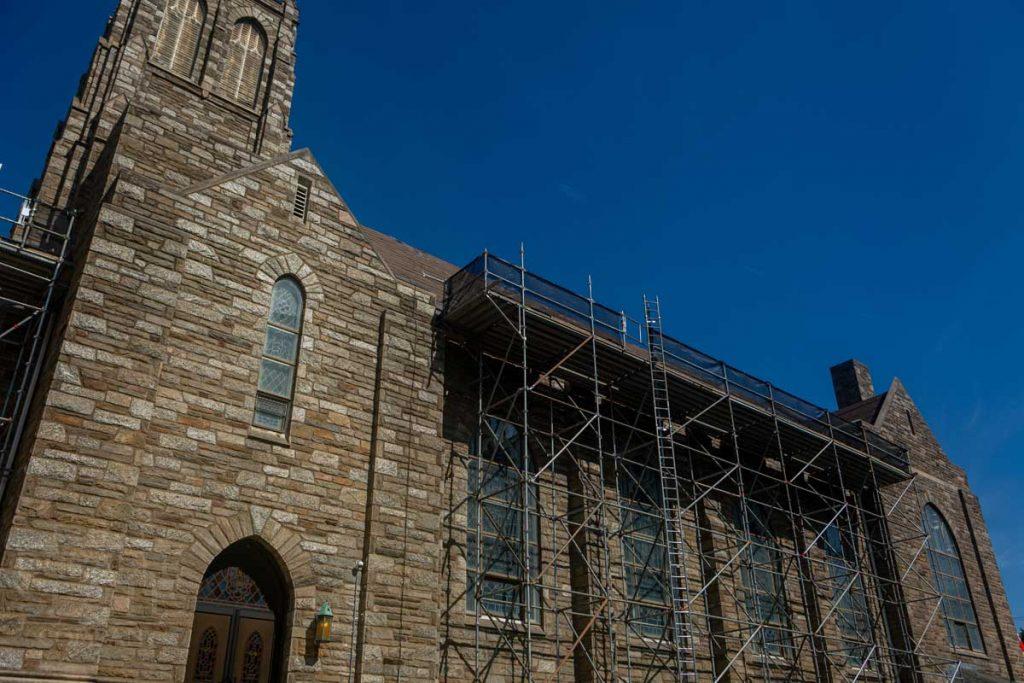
{"x":245,"y":62}
{"x":280,"y":357}
{"x":177,"y":42}
{"x":301,"y":204}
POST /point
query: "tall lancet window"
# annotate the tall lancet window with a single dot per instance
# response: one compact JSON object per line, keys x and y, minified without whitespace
{"x":948,"y":571}
{"x":280,"y":357}
{"x":245,"y":62}
{"x":177,"y":42}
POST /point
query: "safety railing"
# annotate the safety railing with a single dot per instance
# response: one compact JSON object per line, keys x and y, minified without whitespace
{"x":490,"y":273}
{"x":30,"y":226}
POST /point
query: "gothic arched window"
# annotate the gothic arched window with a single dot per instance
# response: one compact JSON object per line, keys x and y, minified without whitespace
{"x":845,"y":582}
{"x":280,"y":356}
{"x":501,"y":568}
{"x":948,"y":571}
{"x":245,"y":62}
{"x":177,"y":41}
{"x":206,"y":658}
{"x":645,"y":554}
{"x":763,"y":578}
{"x":232,"y":586}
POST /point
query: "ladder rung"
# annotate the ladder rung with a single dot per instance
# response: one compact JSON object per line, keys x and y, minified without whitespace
{"x":674,"y":537}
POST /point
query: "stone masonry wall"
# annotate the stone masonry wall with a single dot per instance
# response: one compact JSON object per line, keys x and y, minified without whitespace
{"x":145,"y":466}
{"x":944,"y":485}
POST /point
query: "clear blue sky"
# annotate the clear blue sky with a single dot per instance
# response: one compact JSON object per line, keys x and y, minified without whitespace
{"x":801,"y":182}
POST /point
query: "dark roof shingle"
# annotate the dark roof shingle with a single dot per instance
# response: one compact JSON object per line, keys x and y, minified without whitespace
{"x":412,"y":265}
{"x":866,"y":410}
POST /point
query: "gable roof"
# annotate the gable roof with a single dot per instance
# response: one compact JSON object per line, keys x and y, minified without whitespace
{"x":866,"y":410}
{"x":409,"y":264}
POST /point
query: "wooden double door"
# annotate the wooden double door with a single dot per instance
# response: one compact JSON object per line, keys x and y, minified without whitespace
{"x":236,"y":630}
{"x":231,"y":645}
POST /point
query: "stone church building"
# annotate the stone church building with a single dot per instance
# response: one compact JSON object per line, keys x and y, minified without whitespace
{"x":235,"y":415}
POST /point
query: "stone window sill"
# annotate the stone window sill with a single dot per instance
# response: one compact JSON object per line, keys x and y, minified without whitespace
{"x":497,"y":623}
{"x":204,"y":92}
{"x":268,"y":436}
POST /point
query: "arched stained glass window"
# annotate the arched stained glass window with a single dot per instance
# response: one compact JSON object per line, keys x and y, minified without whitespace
{"x":951,"y":583}
{"x":280,"y":357}
{"x":645,"y":555}
{"x":849,"y":599}
{"x":177,"y":41}
{"x":232,"y":586}
{"x":498,"y":523}
{"x":206,"y":657}
{"x":763,"y":580}
{"x":244,"y":69}
{"x":253,"y":658}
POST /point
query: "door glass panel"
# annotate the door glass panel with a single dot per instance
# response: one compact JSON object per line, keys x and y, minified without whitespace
{"x":208,"y":653}
{"x":253,"y":646}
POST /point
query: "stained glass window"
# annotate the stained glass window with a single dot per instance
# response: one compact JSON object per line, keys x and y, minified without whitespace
{"x":206,"y":657}
{"x":177,"y":41}
{"x":232,"y":585}
{"x":849,"y":599}
{"x":761,"y":574}
{"x":644,"y":552}
{"x":286,"y":305}
{"x":948,"y":572}
{"x":280,"y":357}
{"x":500,"y":550}
{"x":253,"y":658}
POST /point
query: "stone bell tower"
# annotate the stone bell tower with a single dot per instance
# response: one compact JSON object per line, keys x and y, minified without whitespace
{"x":183,"y":89}
{"x":177,"y":92}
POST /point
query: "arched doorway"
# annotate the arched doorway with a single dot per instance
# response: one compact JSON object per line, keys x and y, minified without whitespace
{"x":238,"y":629}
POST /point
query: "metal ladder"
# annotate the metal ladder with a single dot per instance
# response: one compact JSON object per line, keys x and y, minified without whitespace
{"x":686,"y":662}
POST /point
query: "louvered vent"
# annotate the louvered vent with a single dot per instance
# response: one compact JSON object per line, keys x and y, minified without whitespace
{"x":177,"y":42}
{"x":245,"y":62}
{"x":301,"y":205}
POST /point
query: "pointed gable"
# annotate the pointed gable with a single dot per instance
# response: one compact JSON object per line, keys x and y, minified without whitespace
{"x":401,"y":261}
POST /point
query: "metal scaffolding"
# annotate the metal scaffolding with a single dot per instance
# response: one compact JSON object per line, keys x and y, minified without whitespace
{"x":632,"y":509}
{"x":35,"y":239}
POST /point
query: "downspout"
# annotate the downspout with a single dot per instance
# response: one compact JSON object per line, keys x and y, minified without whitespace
{"x":360,"y":628}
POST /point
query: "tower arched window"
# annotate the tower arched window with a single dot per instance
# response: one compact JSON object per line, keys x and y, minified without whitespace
{"x":244,"y":70}
{"x":951,"y":583}
{"x":280,"y":357}
{"x":177,"y":41}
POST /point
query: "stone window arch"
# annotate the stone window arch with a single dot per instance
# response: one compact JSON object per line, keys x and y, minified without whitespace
{"x":951,"y":582}
{"x":177,"y":41}
{"x":280,"y":357}
{"x":247,"y":50}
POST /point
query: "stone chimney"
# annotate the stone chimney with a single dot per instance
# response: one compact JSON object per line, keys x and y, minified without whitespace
{"x":852,"y":383}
